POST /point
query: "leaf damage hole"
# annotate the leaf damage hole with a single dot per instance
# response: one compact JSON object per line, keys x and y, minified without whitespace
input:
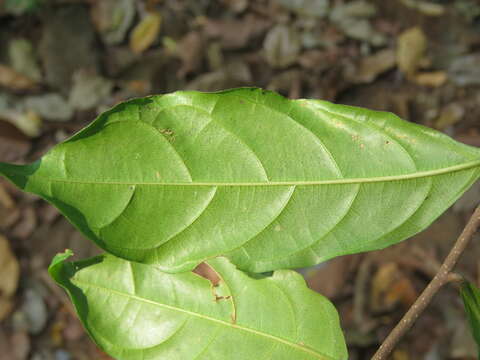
{"x":205,"y":271}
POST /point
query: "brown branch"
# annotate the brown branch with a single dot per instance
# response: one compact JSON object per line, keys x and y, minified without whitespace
{"x":442,"y":277}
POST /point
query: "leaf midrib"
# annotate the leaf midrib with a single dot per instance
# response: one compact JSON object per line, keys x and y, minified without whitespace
{"x":225,"y":323}
{"x":417,"y":175}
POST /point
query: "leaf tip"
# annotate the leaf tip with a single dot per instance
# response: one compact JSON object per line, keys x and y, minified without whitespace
{"x":57,"y":263}
{"x":17,"y":174}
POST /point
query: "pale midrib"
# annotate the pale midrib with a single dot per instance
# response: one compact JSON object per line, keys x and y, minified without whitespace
{"x":417,"y":175}
{"x":225,"y":323}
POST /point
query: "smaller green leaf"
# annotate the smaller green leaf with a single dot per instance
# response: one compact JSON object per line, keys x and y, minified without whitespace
{"x":471,"y":300}
{"x":135,"y":311}
{"x":19,"y":7}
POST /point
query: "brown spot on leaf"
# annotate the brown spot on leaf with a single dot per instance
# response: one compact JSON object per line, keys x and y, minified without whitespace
{"x":169,"y":134}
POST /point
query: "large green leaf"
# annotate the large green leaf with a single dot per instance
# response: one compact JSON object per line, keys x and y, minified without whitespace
{"x":135,"y":311}
{"x":266,"y":181}
{"x":471,"y":300}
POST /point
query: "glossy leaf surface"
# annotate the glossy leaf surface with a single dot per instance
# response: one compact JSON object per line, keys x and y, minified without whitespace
{"x":471,"y":300}
{"x":268,"y":182}
{"x":135,"y":311}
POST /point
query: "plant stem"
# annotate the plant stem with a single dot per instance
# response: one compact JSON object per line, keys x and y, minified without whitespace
{"x":441,"y":278}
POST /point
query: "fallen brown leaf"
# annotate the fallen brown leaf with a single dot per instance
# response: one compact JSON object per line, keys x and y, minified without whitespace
{"x":425,"y":7}
{"x":13,"y":144}
{"x":411,"y":47}
{"x":5,"y":198}
{"x":282,"y":46}
{"x":145,"y":32}
{"x":314,"y":60}
{"x":10,"y":273}
{"x":431,"y":79}
{"x":372,"y":66}
{"x":9,"y":269}
{"x":235,"y":34}
{"x":6,"y":307}
{"x":450,"y":115}
{"x":26,"y":121}
{"x":190,"y":51}
{"x":390,"y":287}
{"x":13,"y":80}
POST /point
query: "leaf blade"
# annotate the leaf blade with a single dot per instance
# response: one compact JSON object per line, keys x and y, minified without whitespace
{"x":471,"y":300}
{"x":195,"y":316}
{"x":269,"y":182}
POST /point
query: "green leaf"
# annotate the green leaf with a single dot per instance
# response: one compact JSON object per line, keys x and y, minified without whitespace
{"x":135,"y":311}
{"x":19,"y":7}
{"x":471,"y":300}
{"x":268,"y":182}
